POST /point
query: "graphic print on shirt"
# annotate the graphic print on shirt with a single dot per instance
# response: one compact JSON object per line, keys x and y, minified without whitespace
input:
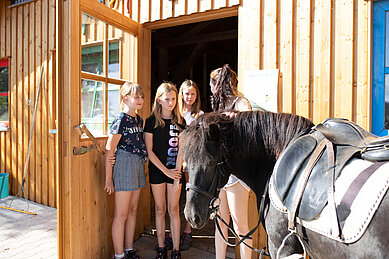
{"x":173,"y":146}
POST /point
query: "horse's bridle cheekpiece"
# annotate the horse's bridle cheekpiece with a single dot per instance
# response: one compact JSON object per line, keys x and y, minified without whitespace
{"x":221,"y":168}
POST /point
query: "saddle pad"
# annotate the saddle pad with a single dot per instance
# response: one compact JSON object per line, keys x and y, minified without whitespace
{"x":362,"y":209}
{"x":289,"y":169}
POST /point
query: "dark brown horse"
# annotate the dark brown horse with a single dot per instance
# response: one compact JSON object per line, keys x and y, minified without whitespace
{"x":248,"y":146}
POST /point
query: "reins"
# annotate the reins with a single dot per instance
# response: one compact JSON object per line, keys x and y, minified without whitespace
{"x":215,"y":185}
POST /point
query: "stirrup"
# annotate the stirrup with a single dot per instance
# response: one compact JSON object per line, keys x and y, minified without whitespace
{"x":292,"y":232}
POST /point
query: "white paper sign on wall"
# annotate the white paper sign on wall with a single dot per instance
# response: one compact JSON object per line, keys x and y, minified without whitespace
{"x":261,"y":89}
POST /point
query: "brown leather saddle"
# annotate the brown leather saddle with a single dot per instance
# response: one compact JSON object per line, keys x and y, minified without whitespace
{"x":346,"y":139}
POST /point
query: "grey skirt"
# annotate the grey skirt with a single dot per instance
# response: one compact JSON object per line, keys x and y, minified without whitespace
{"x":128,"y":172}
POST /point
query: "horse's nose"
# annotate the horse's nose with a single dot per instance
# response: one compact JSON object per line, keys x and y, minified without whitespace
{"x":193,"y":218}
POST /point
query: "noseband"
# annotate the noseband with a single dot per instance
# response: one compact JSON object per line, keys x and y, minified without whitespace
{"x":215,"y":186}
{"x":220,"y":170}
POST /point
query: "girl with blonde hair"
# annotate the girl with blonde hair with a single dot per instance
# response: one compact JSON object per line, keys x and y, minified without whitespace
{"x":161,"y":132}
{"x":127,"y":176}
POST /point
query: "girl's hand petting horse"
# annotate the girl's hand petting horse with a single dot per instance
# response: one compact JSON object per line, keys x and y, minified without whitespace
{"x":175,"y":174}
{"x":109,"y":186}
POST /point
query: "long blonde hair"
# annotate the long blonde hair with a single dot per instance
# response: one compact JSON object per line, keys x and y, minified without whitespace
{"x":165,"y":87}
{"x":195,"y":109}
{"x":129,"y":88}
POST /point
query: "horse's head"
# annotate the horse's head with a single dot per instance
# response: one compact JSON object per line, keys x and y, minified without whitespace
{"x":206,"y":156}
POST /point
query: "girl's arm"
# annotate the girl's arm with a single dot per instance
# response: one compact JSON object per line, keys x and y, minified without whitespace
{"x":112,"y":142}
{"x":172,"y":173}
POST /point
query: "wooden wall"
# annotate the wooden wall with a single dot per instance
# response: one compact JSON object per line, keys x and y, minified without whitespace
{"x":322,"y":48}
{"x":27,"y":37}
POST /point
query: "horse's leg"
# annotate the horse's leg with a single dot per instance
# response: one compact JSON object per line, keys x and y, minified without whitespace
{"x":277,"y":229}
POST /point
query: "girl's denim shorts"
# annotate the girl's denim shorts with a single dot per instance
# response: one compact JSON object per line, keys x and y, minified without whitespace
{"x":128,"y":171}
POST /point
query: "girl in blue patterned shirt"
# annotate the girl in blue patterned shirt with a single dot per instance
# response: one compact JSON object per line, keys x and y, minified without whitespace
{"x":127,"y":176}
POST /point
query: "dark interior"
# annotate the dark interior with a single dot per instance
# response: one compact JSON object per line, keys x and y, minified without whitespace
{"x":192,"y":51}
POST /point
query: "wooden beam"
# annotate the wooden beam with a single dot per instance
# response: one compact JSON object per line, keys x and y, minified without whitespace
{"x":202,"y":38}
{"x":106,"y":14}
{"x":196,"y":17}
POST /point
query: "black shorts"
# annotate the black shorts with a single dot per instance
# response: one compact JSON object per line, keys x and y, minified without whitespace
{"x":157,"y":177}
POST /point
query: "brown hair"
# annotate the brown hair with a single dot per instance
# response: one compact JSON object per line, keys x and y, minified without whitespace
{"x":225,"y":82}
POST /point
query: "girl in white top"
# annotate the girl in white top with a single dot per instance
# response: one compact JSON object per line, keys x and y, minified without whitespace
{"x":189,"y":101}
{"x":189,"y":107}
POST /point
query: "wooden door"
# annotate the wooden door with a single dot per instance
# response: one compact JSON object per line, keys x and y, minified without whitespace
{"x":98,"y":51}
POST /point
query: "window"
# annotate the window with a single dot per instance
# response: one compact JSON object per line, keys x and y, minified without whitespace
{"x":105,"y":66}
{"x":4,"y":81}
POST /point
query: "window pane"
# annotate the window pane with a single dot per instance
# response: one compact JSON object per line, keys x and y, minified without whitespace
{"x":386,"y":120}
{"x":4,"y":94}
{"x":92,"y":105}
{"x":120,"y":55}
{"x":113,"y":60}
{"x":113,"y":103}
{"x":92,"y":37}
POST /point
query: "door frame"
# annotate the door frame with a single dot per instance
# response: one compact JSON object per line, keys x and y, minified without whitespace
{"x":378,"y":75}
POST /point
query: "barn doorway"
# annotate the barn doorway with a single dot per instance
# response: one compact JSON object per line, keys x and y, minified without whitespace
{"x":192,"y":51}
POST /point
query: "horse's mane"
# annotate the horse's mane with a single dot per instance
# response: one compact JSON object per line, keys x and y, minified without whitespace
{"x":267,"y":130}
{"x":259,"y":131}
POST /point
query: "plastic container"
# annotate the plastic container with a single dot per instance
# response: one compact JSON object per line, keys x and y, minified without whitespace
{"x":4,"y":191}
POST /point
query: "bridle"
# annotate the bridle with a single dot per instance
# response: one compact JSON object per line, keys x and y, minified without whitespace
{"x":222,"y":167}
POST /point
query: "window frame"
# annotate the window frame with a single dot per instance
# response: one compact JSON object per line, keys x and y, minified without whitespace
{"x":104,"y":78}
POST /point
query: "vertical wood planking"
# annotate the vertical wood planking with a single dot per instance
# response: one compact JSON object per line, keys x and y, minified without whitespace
{"x":180,"y":7}
{"x":51,"y":106}
{"x":31,"y":47}
{"x":219,"y":4}
{"x":45,"y":79}
{"x":38,"y":119}
{"x":287,"y":28}
{"x":134,"y":10}
{"x":167,"y":9}
{"x":156,"y":10}
{"x":13,"y":92}
{"x":145,"y":10}
{"x":362,"y":65}
{"x":249,"y":39}
{"x":270,"y":35}
{"x":193,"y":6}
{"x":322,"y":60}
{"x":25,"y":105}
{"x":303,"y":27}
{"x":205,"y":5}
{"x":3,"y":27}
{"x":20,"y":102}
{"x":344,"y":48}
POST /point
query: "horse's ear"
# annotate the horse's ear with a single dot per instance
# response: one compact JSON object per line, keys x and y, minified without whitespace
{"x":213,"y":139}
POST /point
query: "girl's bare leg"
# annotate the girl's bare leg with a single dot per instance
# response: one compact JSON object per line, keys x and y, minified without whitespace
{"x":159,"y":193}
{"x":238,"y":198}
{"x":220,"y":245}
{"x":173,"y":197}
{"x":122,"y":204}
{"x":131,"y":220}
